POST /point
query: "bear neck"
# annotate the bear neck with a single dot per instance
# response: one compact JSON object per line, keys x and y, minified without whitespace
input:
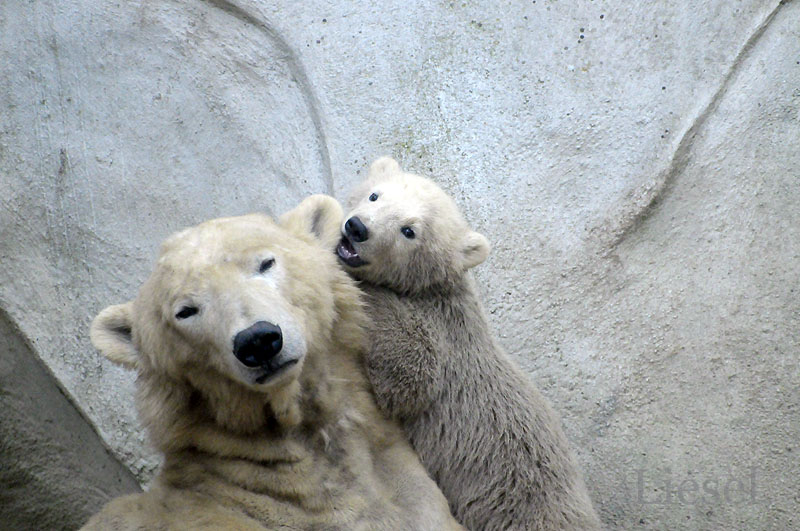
{"x":181,"y":414}
{"x":457,"y":309}
{"x":448,"y":286}
{"x":452,"y":285}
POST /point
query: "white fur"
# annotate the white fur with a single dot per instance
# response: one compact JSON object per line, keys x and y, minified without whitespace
{"x":489,"y":439}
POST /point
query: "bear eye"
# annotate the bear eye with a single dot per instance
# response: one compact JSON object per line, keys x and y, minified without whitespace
{"x":373,"y":197}
{"x":408,"y":233}
{"x":186,"y":312}
{"x":266,"y":264}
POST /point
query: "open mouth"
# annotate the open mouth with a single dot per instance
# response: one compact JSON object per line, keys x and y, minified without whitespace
{"x":348,"y":254}
{"x":271,"y":372}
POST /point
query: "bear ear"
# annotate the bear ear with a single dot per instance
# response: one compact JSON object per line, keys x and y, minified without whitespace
{"x":111,"y":334}
{"x":319,"y":215}
{"x":474,"y":249}
{"x":383,"y":167}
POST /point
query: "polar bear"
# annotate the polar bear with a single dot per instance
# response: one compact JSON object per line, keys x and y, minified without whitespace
{"x":489,"y":439}
{"x":248,"y":341}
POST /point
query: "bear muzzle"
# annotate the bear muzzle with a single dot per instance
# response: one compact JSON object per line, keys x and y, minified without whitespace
{"x":355,"y":229}
{"x":258,"y":344}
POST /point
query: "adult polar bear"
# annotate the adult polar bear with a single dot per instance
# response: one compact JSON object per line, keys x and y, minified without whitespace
{"x":248,"y":342}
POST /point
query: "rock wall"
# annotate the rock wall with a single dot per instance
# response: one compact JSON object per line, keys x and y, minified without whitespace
{"x":55,"y":472}
{"x":634,"y":164}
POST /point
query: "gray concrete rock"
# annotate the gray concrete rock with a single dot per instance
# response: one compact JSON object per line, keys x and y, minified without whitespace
{"x":634,"y":165}
{"x":55,"y":472}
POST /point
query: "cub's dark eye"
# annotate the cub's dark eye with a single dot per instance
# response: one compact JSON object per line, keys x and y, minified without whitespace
{"x":266,"y":264}
{"x":186,"y":312}
{"x":373,"y":197}
{"x":408,"y":233}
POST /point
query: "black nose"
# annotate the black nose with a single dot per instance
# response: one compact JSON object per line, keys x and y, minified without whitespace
{"x":256,"y":345}
{"x":356,"y":229}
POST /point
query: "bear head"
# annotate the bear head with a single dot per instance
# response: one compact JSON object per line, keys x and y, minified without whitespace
{"x":235,"y":313}
{"x":405,"y":233}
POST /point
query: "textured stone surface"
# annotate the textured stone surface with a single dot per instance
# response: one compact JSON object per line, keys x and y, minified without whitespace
{"x":54,"y":471}
{"x":634,"y":164}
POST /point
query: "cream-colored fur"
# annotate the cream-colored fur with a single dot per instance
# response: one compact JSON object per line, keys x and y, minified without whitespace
{"x":489,"y":439}
{"x":300,"y":446}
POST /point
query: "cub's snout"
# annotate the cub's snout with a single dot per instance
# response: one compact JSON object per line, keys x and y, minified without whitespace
{"x":355,"y":229}
{"x":256,"y":345}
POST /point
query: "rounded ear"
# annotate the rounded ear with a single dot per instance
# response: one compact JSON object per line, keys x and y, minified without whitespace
{"x":111,"y":334}
{"x":474,"y":249}
{"x":383,"y":167}
{"x":319,"y":215}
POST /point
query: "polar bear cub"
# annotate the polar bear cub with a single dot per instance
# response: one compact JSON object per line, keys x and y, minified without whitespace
{"x":489,"y":439}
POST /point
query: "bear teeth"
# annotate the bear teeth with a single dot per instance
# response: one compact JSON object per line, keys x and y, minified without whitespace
{"x":346,"y":249}
{"x":348,"y":254}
